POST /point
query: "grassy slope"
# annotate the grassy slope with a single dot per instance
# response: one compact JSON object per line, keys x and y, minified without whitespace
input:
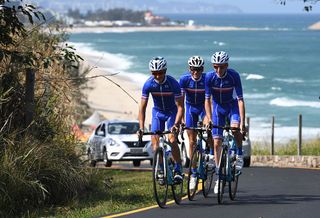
{"x":112,"y":191}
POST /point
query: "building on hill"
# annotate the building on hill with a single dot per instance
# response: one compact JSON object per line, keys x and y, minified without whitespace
{"x":154,"y":20}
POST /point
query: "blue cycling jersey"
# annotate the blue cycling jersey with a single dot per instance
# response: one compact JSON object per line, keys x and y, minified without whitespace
{"x":224,"y":93}
{"x":194,"y":90}
{"x":163,"y":94}
{"x":223,"y":90}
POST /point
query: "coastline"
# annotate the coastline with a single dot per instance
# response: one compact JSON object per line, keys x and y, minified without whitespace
{"x":107,"y":98}
{"x":102,"y":29}
{"x":315,"y":26}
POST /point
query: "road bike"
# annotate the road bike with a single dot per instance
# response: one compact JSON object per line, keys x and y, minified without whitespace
{"x":227,"y":166}
{"x":199,"y":161}
{"x":163,"y":171}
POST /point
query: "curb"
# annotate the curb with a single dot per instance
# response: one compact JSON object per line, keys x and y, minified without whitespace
{"x":286,"y":161}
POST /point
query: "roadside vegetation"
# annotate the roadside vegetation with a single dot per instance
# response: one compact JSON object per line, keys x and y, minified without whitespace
{"x":309,"y":147}
{"x":111,"y":191}
{"x":40,"y":100}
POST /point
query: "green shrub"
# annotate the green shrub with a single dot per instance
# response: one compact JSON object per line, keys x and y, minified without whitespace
{"x":308,"y":147}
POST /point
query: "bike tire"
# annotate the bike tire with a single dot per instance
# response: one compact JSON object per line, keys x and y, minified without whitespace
{"x":193,"y":161}
{"x":160,"y":186}
{"x":222,"y":175}
{"x":233,"y":184}
{"x":177,"y":188}
{"x":184,"y":157}
{"x":207,"y":183}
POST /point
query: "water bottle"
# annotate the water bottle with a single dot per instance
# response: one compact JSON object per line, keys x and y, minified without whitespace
{"x":169,"y":166}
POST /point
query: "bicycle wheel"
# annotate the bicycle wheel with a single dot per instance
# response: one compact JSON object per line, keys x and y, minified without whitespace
{"x":233,"y":184}
{"x":160,"y":184}
{"x":207,"y":183}
{"x":177,"y":188}
{"x":184,"y":157}
{"x":222,"y":175}
{"x":193,"y":162}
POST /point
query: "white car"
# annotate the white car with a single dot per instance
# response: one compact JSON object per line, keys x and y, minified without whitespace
{"x":116,"y":140}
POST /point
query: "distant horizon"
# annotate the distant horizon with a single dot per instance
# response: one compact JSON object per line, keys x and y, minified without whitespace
{"x":186,"y":6}
{"x":244,"y":13}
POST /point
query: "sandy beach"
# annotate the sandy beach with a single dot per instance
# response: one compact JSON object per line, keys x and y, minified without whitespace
{"x":108,"y":98}
{"x":158,"y":29}
{"x":315,"y":26}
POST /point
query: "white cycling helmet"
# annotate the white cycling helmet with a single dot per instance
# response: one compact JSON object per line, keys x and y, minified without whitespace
{"x":157,"y":64}
{"x":196,"y":61}
{"x":220,"y":57}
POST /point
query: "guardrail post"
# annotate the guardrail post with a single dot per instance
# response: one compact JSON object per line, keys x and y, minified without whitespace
{"x":300,"y":134}
{"x":272,"y":136}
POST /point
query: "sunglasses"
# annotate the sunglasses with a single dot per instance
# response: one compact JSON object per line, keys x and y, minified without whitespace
{"x":157,"y":73}
{"x":219,"y":66}
{"x":198,"y":69}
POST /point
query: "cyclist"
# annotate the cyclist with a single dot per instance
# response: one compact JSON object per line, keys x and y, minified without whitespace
{"x":167,"y":109}
{"x":224,"y":85}
{"x":193,"y":90}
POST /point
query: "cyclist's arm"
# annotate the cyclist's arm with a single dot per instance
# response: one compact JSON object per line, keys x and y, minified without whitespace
{"x":182,"y":86}
{"x":179,"y":103}
{"x":242,"y":113}
{"x":208,"y":94}
{"x":239,"y":92}
{"x":183,"y":109}
{"x":207,"y":106}
{"x":142,"y":112}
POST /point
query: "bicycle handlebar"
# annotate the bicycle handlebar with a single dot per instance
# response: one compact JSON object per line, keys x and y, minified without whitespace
{"x":157,"y":132}
{"x":202,"y":129}
{"x":160,"y":133}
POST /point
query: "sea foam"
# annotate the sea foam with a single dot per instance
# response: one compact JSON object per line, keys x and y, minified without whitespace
{"x":282,"y":134}
{"x":254,"y":77}
{"x":112,"y":62}
{"x":289,"y":80}
{"x":109,"y":62}
{"x":287,"y":102}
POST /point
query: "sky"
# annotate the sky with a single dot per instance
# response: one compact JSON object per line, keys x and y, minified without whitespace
{"x":264,"y":6}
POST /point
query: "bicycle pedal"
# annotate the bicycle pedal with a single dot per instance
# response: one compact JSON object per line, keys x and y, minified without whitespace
{"x":238,"y":173}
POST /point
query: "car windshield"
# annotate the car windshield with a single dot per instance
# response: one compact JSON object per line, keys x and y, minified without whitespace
{"x":123,"y":128}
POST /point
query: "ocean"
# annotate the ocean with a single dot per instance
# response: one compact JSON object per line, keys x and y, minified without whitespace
{"x":276,"y":56}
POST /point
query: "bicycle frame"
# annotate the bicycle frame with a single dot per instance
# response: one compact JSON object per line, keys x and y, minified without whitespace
{"x":166,"y":165}
{"x":228,"y":144}
{"x":163,"y":163}
{"x":167,"y":155}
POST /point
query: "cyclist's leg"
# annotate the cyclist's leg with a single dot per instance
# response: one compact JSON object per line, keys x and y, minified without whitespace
{"x":209,"y":139}
{"x":171,"y":116}
{"x":157,"y":124}
{"x":191,"y":121}
{"x":218,"y":119}
{"x":235,"y":122}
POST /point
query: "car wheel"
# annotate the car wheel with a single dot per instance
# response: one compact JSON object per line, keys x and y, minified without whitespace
{"x":246,"y":161}
{"x":107,"y":162}
{"x":136,"y":163}
{"x":151,"y":162}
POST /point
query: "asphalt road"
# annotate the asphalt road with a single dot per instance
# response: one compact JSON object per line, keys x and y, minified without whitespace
{"x":262,"y":193}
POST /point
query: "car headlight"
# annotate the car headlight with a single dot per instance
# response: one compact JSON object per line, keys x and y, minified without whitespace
{"x":112,"y":142}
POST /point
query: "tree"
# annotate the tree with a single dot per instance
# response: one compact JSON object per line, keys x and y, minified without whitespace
{"x":307,"y":7}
